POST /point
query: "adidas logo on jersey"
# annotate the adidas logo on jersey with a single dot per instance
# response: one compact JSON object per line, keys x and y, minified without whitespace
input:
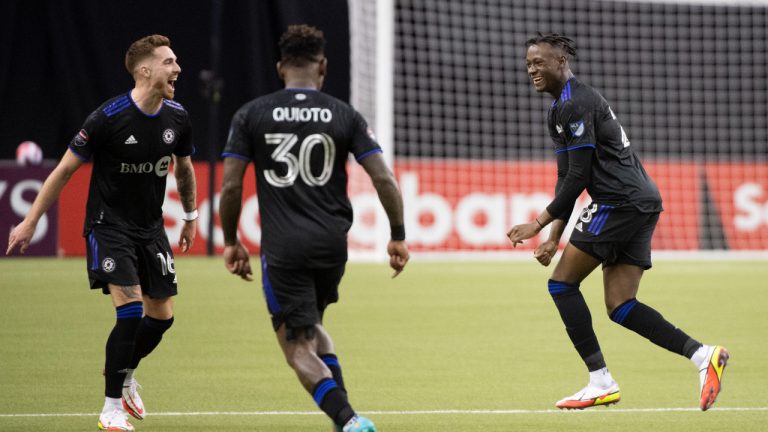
{"x":131,"y":140}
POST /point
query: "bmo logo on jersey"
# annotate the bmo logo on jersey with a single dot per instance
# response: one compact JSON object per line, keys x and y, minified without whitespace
{"x":160,"y":168}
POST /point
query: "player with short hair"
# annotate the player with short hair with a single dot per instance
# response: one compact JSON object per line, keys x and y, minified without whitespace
{"x":132,"y":140}
{"x":594,"y":153}
{"x":299,"y":140}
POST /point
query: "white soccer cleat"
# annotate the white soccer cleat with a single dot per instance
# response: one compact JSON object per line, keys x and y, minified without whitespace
{"x":711,"y":375}
{"x":131,"y":399}
{"x":114,"y":420}
{"x":591,"y":395}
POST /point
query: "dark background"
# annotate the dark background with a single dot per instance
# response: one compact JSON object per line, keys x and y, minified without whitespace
{"x":59,"y":60}
{"x":687,"y":81}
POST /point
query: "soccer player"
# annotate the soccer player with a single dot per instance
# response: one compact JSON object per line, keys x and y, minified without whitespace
{"x":615,"y":230}
{"x":131,"y":139}
{"x":299,"y":140}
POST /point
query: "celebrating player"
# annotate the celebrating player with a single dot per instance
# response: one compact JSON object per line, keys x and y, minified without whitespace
{"x":594,"y":152}
{"x":132,"y":140}
{"x":299,"y":139}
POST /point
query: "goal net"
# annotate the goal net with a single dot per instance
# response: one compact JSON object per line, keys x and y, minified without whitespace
{"x":466,"y":132}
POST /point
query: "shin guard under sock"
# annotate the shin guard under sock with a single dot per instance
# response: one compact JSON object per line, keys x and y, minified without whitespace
{"x":148,"y":336}
{"x":578,"y":322}
{"x":119,"y":347}
{"x":649,"y":323}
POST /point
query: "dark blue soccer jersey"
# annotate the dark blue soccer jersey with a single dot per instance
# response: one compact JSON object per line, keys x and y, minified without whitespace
{"x":299,"y":141}
{"x":131,"y":153}
{"x":582,"y":119}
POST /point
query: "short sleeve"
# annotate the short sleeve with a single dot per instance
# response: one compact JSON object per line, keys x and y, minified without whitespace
{"x":363,"y":140}
{"x":185,"y":147}
{"x":84,"y":143}
{"x":578,"y":125}
{"x":239,"y":139}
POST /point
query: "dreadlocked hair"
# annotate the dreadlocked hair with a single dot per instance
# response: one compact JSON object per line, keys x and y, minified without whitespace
{"x":301,"y":44}
{"x":556,"y":40}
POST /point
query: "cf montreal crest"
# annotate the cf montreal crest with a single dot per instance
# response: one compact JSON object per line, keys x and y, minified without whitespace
{"x":168,"y":136}
{"x":108,"y":265}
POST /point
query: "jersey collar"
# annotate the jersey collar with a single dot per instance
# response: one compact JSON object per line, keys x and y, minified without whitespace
{"x":565,"y":93}
{"x":162,"y":104}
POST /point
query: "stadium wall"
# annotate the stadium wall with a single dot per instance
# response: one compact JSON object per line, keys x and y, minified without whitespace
{"x":59,"y":60}
{"x":465,"y":221}
{"x":688,"y":81}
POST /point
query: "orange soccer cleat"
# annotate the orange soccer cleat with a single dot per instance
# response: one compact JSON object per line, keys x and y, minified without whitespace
{"x":711,"y":375}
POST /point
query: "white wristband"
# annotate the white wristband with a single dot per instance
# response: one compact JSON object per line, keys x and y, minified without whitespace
{"x":190,"y":216}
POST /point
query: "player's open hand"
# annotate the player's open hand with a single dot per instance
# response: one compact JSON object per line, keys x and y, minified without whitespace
{"x":237,"y":261}
{"x":545,"y":252}
{"x":398,"y":255}
{"x":518,"y":233}
{"x":187,"y":237}
{"x":21,"y":236}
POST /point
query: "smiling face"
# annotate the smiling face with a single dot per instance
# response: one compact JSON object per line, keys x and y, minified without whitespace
{"x":548,"y":68}
{"x":162,"y":71}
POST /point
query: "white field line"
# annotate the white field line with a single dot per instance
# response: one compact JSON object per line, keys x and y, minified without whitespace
{"x":413,"y":412}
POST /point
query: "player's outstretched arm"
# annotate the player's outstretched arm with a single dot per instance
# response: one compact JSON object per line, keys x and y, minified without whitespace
{"x":389,"y":195}
{"x":22,"y":234}
{"x":236,"y":258}
{"x":186,"y":184}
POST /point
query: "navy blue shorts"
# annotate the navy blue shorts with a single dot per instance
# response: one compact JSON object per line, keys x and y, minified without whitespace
{"x":116,"y":258}
{"x":298,"y":296}
{"x":615,"y":235}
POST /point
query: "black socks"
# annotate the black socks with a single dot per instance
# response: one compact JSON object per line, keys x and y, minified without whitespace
{"x":333,"y":401}
{"x":150,"y":332}
{"x":649,"y":323}
{"x":578,"y":322}
{"x":120,"y":346}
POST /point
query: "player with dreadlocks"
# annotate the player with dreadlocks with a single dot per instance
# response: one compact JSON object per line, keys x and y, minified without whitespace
{"x":594,"y":153}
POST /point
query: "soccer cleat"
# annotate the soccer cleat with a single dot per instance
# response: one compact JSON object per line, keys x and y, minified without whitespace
{"x":590,"y":396}
{"x":131,"y":399}
{"x":357,"y":424}
{"x":114,"y":420}
{"x":711,"y":375}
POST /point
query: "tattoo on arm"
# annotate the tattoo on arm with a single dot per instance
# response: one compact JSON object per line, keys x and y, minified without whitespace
{"x":185,"y":183}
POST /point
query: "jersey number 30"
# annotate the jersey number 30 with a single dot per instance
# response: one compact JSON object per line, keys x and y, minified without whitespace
{"x":301,"y":165}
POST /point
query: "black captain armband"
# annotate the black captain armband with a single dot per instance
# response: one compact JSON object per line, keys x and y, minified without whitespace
{"x":397,"y":232}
